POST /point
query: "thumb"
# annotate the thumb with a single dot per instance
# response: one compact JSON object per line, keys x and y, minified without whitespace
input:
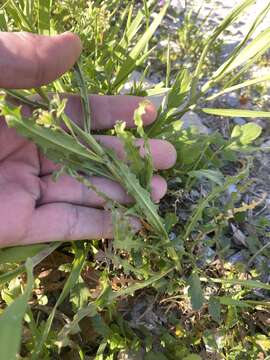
{"x":28,"y":60}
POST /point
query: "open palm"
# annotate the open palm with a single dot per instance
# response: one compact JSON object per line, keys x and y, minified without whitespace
{"x":34,"y":208}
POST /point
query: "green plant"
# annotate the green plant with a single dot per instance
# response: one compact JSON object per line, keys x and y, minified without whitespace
{"x":168,"y":255}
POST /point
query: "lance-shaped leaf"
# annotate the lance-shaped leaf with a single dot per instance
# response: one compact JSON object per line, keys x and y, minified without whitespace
{"x":12,"y":317}
{"x":259,"y":45}
{"x":44,"y":16}
{"x":133,"y":56}
{"x":247,"y":83}
{"x":195,"y":291}
{"x":237,"y":113}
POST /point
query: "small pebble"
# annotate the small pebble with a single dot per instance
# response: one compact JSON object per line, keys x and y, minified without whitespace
{"x":266,"y":145}
{"x":232,"y":99}
{"x":236,"y":258}
{"x":239,"y":121}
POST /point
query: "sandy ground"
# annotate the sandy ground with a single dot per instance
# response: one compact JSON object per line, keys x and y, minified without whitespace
{"x":222,"y":8}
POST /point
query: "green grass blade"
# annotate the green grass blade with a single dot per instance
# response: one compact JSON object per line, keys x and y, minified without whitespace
{"x":223,"y":68}
{"x":250,"y":284}
{"x":131,"y":30}
{"x":232,"y":80}
{"x":78,"y":262}
{"x":259,"y":19}
{"x":20,"y":19}
{"x":132,"y":288}
{"x":195,"y":291}
{"x":135,"y":52}
{"x":168,"y":64}
{"x":84,"y":97}
{"x":240,"y":86}
{"x":237,"y":112}
{"x":12,"y":317}
{"x":19,"y":253}
{"x":3,"y":23}
{"x":4,"y":5}
{"x":29,"y":9}
{"x":36,"y":259}
{"x":22,"y":97}
{"x":220,"y":28}
{"x":44,"y":16}
{"x":257,"y":46}
{"x":229,"y":301}
{"x":132,"y":66}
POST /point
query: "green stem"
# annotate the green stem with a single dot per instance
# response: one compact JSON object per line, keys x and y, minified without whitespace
{"x":84,"y":97}
{"x":43,"y":95}
{"x":16,"y":95}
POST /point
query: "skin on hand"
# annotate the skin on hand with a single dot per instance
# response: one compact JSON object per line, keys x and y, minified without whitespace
{"x":34,"y":208}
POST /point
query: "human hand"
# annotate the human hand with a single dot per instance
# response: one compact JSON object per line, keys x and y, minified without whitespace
{"x":34,"y":208}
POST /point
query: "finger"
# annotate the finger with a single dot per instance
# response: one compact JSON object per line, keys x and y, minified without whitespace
{"x":66,"y":222}
{"x":29,"y":60}
{"x":163,"y":153}
{"x":106,"y":110}
{"x":68,"y":189}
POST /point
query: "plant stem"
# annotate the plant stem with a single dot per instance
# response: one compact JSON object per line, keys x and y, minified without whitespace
{"x":84,"y":97}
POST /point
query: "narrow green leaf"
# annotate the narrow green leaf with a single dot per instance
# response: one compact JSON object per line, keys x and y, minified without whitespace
{"x":80,"y":255}
{"x":195,"y":291}
{"x":57,"y":144}
{"x":36,"y":259}
{"x":20,"y":253}
{"x":131,"y":30}
{"x":214,"y":309}
{"x":22,"y":97}
{"x":84,"y":97}
{"x":237,"y":51}
{"x":251,"y":284}
{"x":240,"y":86}
{"x":12,"y":317}
{"x":4,"y":5}
{"x":44,"y":16}
{"x":16,"y":13}
{"x":227,"y":300}
{"x":259,"y":45}
{"x":135,"y":52}
{"x":237,"y":113}
{"x":149,"y":33}
{"x":3,"y":23}
{"x":212,"y":38}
